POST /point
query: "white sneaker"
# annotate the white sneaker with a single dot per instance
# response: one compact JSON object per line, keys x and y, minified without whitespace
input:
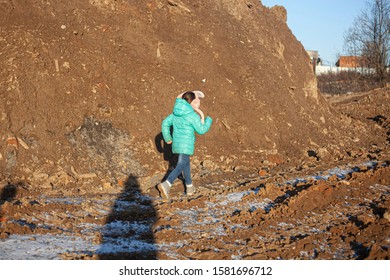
{"x":190,"y":189}
{"x":164,"y":189}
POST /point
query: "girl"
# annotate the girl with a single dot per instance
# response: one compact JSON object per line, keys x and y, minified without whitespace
{"x":185,"y":122}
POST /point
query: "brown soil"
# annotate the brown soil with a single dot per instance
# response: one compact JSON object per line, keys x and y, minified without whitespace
{"x":84,"y":88}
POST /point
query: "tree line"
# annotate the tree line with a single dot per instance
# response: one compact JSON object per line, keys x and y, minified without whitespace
{"x":369,"y":37}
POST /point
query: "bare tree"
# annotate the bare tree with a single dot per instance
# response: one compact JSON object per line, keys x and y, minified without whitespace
{"x":369,"y":36}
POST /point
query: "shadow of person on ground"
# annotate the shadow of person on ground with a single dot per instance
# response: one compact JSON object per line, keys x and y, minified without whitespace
{"x":128,"y":232}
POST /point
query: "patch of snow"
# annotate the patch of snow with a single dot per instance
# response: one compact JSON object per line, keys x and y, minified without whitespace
{"x":128,"y":245}
{"x":41,"y":247}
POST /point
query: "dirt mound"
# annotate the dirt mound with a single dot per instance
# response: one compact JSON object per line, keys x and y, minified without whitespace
{"x":370,"y":108}
{"x":122,"y":63}
{"x":283,"y":173}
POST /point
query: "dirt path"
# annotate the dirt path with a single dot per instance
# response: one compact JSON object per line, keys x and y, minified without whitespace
{"x":340,"y":213}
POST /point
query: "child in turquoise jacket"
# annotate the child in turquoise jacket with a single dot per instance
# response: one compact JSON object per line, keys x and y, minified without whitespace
{"x":185,"y":122}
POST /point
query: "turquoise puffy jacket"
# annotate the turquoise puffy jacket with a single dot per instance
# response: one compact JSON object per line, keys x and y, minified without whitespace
{"x":185,"y":122}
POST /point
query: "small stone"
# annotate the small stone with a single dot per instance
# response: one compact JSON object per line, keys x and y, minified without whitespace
{"x":121,"y":182}
{"x":4,"y":235}
{"x":13,"y":141}
{"x":263,"y":172}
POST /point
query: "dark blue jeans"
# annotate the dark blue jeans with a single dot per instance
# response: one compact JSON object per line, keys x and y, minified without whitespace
{"x":183,"y":166}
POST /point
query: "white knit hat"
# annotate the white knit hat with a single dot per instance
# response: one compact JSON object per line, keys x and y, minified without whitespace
{"x":198,"y":93}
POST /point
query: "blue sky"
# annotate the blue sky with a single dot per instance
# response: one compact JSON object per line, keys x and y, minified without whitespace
{"x":320,"y":24}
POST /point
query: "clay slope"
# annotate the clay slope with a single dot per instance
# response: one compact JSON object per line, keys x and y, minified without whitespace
{"x":86,"y":84}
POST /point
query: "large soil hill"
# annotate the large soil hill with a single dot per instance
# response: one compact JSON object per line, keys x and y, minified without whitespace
{"x":285,"y":172}
{"x":86,"y":84}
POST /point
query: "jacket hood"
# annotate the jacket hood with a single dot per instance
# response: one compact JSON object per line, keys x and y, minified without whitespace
{"x":182,"y":107}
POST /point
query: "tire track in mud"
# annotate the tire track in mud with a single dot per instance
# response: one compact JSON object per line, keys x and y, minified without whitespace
{"x":338,"y":214}
{"x":302,"y":218}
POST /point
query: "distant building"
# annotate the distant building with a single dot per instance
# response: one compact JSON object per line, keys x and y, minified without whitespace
{"x":351,"y":62}
{"x":314,"y":57}
{"x":345,"y":63}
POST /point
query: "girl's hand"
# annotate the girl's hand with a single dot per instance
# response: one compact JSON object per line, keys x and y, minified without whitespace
{"x":170,"y":142}
{"x":200,"y":113}
{"x":195,"y":103}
